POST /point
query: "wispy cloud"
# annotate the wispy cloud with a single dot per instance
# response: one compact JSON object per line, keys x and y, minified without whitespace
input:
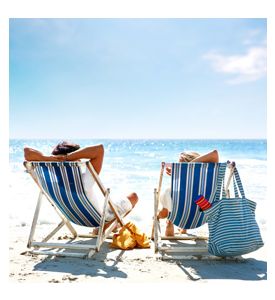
{"x":252,"y":37}
{"x":246,"y":67}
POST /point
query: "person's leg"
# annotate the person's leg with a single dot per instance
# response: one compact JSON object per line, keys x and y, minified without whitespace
{"x":169,"y":231}
{"x":96,"y":229}
{"x":133,"y":198}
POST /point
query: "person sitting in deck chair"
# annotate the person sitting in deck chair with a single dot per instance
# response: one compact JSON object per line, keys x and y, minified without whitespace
{"x":165,"y":197}
{"x":68,"y":151}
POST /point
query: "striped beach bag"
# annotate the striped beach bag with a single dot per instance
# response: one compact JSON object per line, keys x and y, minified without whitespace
{"x":233,"y":230}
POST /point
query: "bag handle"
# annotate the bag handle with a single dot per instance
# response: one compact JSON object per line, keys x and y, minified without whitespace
{"x":238,"y":184}
{"x":236,"y":192}
{"x":220,"y":187}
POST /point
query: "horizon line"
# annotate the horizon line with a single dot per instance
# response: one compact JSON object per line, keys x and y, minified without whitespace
{"x":123,"y":139}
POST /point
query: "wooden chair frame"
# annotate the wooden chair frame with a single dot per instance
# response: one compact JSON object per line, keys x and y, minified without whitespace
{"x":187,"y":250}
{"x":77,"y":248}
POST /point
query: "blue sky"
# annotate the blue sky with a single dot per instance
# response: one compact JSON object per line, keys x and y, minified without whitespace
{"x":137,"y":78}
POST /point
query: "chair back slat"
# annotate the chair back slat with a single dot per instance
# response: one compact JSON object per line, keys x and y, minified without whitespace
{"x":190,"y":181}
{"x":62,"y":183}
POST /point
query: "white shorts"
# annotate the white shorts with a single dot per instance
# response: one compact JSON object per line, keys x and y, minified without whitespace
{"x":123,"y":205}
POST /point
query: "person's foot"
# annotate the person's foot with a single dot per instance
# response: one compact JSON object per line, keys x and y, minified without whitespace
{"x":182,"y":231}
{"x":95,"y":231}
{"x":169,"y":231}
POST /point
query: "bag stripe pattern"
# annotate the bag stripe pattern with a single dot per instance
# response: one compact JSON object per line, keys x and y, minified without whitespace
{"x":233,"y":230}
{"x":189,"y":182}
{"x":62,"y":182}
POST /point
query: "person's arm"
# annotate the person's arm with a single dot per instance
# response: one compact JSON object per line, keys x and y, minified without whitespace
{"x":31,"y":154}
{"x":211,"y":157}
{"x":94,"y":153}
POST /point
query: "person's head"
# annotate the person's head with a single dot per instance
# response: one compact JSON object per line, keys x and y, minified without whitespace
{"x":188,"y":156}
{"x":65,"y":147}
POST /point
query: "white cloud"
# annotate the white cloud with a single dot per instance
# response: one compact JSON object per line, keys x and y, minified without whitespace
{"x":252,"y":36}
{"x":247,"y":67}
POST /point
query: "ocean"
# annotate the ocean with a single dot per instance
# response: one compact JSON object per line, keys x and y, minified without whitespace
{"x":134,"y":166}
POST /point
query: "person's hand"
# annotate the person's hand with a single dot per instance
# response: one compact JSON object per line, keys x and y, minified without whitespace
{"x":58,"y":157}
{"x":168,"y":171}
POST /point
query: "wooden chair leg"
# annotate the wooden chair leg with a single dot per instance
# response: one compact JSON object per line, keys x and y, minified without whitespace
{"x":53,"y":232}
{"x":35,"y":218}
{"x":102,"y":221}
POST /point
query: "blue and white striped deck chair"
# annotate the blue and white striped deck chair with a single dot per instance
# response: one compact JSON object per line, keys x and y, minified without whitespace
{"x":189,"y":181}
{"x":61,"y":183}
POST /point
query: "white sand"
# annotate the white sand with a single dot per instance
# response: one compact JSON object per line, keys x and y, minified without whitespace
{"x":136,"y":266}
{"x":132,"y":274}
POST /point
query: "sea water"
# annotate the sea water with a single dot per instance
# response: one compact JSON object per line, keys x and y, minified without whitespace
{"x":134,"y":166}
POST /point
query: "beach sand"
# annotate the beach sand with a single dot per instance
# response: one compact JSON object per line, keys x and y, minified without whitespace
{"x":131,"y":266}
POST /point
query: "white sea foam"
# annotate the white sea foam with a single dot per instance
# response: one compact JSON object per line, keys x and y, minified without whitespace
{"x":126,"y":172}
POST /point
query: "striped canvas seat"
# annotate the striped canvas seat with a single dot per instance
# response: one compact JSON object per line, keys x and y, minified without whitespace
{"x":190,"y":181}
{"x":62,"y":182}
